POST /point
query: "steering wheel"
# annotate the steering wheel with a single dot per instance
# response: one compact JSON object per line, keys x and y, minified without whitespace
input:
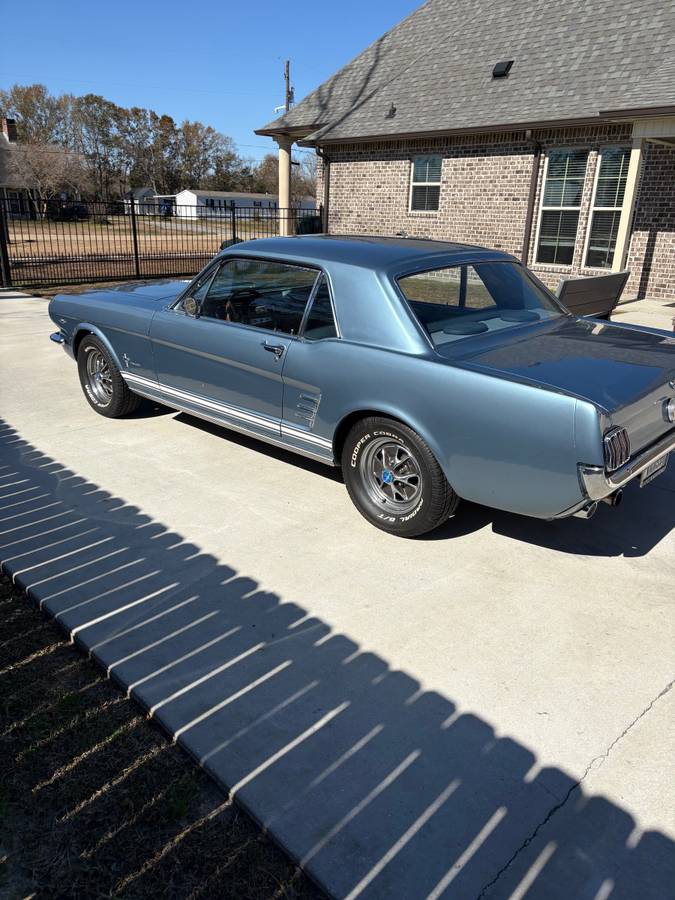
{"x":239,"y":298}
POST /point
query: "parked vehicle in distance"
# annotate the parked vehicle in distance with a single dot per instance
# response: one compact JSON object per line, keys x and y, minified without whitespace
{"x":67,"y":211}
{"x":428,"y":371}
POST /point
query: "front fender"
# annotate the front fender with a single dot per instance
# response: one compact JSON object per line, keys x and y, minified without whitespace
{"x":87,"y":328}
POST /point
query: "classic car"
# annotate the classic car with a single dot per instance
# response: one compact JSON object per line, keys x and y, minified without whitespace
{"x":428,"y":371}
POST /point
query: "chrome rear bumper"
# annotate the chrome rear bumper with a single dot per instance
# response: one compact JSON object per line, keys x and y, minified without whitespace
{"x":597,"y":484}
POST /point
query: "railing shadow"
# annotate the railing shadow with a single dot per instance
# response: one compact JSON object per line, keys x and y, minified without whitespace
{"x":379,"y":787}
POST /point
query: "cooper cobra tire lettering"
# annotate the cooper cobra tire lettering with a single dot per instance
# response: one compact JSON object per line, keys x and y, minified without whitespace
{"x":436,"y":501}
{"x":357,"y":448}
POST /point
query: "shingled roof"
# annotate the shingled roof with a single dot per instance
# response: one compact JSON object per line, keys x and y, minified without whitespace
{"x":574,"y":61}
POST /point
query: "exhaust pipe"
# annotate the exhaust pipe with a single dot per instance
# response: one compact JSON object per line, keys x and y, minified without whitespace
{"x":614,"y":499}
{"x":586,"y":512}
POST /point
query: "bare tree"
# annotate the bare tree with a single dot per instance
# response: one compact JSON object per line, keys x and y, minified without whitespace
{"x":46,"y":170}
{"x":120,"y":147}
{"x":41,"y":117}
{"x":303,"y":176}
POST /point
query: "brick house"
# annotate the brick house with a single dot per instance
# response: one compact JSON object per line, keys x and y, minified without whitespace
{"x":547,"y":130}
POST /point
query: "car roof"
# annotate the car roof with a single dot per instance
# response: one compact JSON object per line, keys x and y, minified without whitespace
{"x":368,"y":251}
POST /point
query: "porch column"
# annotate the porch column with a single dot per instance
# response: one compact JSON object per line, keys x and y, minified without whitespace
{"x":623,"y":234}
{"x":285,"y":143}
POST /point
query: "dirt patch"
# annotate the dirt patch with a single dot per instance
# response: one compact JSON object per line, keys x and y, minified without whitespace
{"x":95,"y":802}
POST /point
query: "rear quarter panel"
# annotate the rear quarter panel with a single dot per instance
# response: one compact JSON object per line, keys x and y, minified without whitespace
{"x":500,"y":443}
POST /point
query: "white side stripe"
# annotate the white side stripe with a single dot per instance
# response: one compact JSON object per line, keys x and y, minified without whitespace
{"x":232,"y":411}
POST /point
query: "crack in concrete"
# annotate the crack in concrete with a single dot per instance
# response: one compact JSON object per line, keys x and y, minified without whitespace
{"x":554,"y":809}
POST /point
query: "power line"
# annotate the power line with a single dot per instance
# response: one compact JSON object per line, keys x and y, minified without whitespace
{"x":131,"y":84}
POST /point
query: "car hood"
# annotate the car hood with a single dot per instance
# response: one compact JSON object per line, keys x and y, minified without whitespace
{"x":613,"y":366}
{"x":163,"y":289}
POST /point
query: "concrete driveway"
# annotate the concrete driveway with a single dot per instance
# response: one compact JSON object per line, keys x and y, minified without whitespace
{"x":485,"y":713}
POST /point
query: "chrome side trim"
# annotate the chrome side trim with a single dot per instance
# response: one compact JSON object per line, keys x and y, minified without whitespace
{"x":292,"y":431}
{"x":273,"y":426}
{"x":197,"y":399}
{"x":597,"y":484}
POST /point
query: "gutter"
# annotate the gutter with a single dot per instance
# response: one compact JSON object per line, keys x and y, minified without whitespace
{"x":383,"y":137}
{"x":529,"y":215}
{"x":326,"y":186}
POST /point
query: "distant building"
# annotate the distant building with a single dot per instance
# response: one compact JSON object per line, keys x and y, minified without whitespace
{"x":199,"y":204}
{"x":144,"y":199}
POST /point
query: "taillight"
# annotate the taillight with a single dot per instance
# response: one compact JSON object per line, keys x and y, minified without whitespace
{"x":617,"y":448}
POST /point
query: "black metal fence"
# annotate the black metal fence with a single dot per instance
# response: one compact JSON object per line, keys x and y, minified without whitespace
{"x":69,"y":242}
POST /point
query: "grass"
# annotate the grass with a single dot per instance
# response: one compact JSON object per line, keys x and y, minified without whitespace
{"x":95,"y":802}
{"x":156,"y":235}
{"x":43,"y":251}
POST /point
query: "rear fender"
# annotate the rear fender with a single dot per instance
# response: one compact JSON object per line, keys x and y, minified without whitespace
{"x":379,"y":408}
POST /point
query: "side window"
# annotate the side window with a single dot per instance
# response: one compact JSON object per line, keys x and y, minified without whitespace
{"x":259,"y":293}
{"x":321,"y":321}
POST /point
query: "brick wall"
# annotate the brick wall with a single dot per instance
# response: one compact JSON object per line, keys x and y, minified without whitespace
{"x":484,"y":191}
{"x":651,"y":257}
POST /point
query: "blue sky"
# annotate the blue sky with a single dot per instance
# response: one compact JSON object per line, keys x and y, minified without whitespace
{"x":221,"y":63}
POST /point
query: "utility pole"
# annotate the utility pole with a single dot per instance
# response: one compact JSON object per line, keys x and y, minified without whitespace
{"x":289,"y":89}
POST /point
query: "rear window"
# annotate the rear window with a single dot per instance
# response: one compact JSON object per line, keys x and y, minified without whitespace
{"x":461,"y":301}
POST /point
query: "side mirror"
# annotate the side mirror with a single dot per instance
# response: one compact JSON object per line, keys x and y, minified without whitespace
{"x":191,"y":306}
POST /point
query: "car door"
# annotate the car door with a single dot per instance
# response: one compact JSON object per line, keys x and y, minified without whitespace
{"x":221,"y":349}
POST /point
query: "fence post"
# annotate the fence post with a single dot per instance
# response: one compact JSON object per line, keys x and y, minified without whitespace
{"x":134,"y":234}
{"x":233,"y":211}
{"x":5,"y":272}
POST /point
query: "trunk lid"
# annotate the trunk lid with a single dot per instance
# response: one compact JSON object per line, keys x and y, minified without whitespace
{"x":628,"y":372}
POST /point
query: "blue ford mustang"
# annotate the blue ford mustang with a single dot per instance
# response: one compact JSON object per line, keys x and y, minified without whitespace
{"x":429,"y":371}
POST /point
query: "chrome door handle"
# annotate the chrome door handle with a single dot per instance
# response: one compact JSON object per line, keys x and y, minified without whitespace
{"x":277,"y":349}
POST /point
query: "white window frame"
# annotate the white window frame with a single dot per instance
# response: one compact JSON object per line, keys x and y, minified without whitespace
{"x":594,"y":208}
{"x":414,"y":184}
{"x":556,"y":265}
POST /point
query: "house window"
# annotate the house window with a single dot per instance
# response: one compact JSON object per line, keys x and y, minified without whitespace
{"x":610,"y":186}
{"x":425,"y":186}
{"x":560,"y":206}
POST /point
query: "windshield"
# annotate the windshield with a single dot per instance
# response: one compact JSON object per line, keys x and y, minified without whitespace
{"x":460,"y":301}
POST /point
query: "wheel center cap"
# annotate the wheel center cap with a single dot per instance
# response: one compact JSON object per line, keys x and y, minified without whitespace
{"x":387,"y":476}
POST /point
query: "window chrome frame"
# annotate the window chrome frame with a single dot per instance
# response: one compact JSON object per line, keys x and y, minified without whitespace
{"x":308,"y":309}
{"x":219,"y":261}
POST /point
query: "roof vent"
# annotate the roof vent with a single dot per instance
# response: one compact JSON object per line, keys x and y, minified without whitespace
{"x":502,"y":69}
{"x":391,"y":112}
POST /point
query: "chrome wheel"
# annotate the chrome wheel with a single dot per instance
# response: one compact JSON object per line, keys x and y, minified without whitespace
{"x":391,"y":476}
{"x":99,"y":377}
